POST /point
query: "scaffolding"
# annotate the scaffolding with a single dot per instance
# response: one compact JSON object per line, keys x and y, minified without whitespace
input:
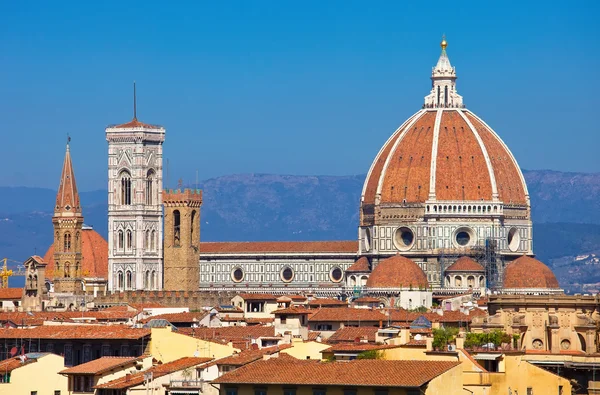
{"x":486,"y":255}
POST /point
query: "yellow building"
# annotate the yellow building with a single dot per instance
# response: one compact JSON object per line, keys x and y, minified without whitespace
{"x":305,"y":350}
{"x":37,"y":373}
{"x":290,"y":376}
{"x":167,"y":345}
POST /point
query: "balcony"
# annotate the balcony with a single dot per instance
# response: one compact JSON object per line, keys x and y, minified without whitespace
{"x":192,"y":383}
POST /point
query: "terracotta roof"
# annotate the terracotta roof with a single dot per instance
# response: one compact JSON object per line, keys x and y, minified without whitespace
{"x":76,"y":332}
{"x":397,"y":272}
{"x":351,"y":334}
{"x":8,"y":365}
{"x":253,"y":296}
{"x":326,"y":302}
{"x":313,"y":335}
{"x":527,"y":272}
{"x":229,"y":333}
{"x":134,"y":123}
{"x":248,"y":356}
{"x":176,"y":318}
{"x":361,"y":265}
{"x":353,"y":373}
{"x":94,"y":251}
{"x":11,"y":293}
{"x":100,"y":365}
{"x":401,"y":171}
{"x":344,"y":314}
{"x":253,"y":321}
{"x":416,"y":343}
{"x":403,"y":316}
{"x":136,"y":379}
{"x":270,"y":247}
{"x":293,"y":310}
{"x":357,"y":347}
{"x":67,"y":195}
{"x":465,"y":264}
{"x":367,"y":299}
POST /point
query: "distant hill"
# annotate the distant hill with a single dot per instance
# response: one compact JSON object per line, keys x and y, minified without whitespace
{"x":565,"y":209}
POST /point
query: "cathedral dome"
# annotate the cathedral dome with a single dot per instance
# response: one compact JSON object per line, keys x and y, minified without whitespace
{"x":443,"y":153}
{"x":397,"y":272}
{"x":465,"y":264}
{"x":527,"y":272}
{"x":94,"y":252}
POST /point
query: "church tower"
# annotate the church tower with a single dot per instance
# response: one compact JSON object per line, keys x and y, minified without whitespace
{"x":135,"y":205}
{"x":67,"y":222}
{"x":182,"y":239}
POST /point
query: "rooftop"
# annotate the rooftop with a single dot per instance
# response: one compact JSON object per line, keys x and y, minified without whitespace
{"x":353,"y":373}
{"x":75,"y":332}
{"x":100,"y":365}
{"x":347,"y":314}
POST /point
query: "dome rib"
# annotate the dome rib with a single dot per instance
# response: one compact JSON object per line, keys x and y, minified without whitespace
{"x":434,"y":154}
{"x":371,"y":186}
{"x":486,"y":156}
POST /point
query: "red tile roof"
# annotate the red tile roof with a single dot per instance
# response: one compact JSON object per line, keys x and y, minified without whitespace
{"x":67,"y":195}
{"x":285,"y":371}
{"x":287,"y":247}
{"x":76,"y":332}
{"x":313,"y":335}
{"x":134,"y":123}
{"x":136,"y":379}
{"x":293,"y":310}
{"x":361,"y":265}
{"x":351,"y":334}
{"x":11,"y":293}
{"x":8,"y":365}
{"x":345,"y":314}
{"x":367,"y":299}
{"x":465,"y":264}
{"x":397,"y":272}
{"x":229,"y":333}
{"x":248,"y":356}
{"x":177,"y":318}
{"x":94,"y":250}
{"x":37,"y":318}
{"x":326,"y":302}
{"x":101,"y":365}
{"x":357,"y":347}
{"x":527,"y":272}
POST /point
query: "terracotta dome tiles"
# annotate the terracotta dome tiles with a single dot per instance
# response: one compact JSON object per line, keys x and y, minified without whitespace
{"x":526,"y":272}
{"x":465,"y":264}
{"x":461,"y":171}
{"x":508,"y":175}
{"x":377,"y":167}
{"x":407,"y":174}
{"x":397,"y":272}
{"x":94,"y":251}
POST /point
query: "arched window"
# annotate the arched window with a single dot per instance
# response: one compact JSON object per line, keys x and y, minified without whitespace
{"x":129,"y":240}
{"x":193,"y":217}
{"x":128,"y":280}
{"x":125,"y":188}
{"x":176,"y":228}
{"x":153,"y":241}
{"x":446,"y":96}
{"x":67,"y":273}
{"x":149,"y":187}
{"x":154,"y":280}
{"x":147,"y":280}
{"x":67,"y":243}
{"x":146,"y":239}
{"x":120,"y":280}
{"x":120,"y":240}
{"x":438,"y":95}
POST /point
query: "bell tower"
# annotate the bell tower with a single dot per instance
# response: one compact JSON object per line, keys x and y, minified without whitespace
{"x":67,"y":221}
{"x":182,"y":239}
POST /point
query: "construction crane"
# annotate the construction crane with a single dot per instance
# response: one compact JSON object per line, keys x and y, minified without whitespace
{"x":6,"y":272}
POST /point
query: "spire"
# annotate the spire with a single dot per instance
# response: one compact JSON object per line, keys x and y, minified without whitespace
{"x":67,"y":198}
{"x":443,"y":77}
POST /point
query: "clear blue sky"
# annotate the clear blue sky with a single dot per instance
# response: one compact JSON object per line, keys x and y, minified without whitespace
{"x":288,"y":87}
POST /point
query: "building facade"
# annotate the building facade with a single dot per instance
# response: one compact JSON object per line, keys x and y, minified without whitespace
{"x":135,"y":218}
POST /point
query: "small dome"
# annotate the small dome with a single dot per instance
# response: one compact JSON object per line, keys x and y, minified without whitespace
{"x":465,"y":264}
{"x":397,"y":272}
{"x":361,"y":265}
{"x":94,"y":254}
{"x":527,"y":272}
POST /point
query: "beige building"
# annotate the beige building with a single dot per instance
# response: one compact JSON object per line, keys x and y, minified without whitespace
{"x":33,"y":373}
{"x":555,"y":323}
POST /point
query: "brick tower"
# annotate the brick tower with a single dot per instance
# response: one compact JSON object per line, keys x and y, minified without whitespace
{"x":67,"y":222}
{"x":182,"y":239}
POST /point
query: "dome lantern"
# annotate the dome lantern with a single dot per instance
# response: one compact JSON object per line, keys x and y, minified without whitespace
{"x":443,"y":88}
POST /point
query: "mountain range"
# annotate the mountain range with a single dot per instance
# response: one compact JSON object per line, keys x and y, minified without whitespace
{"x":255,"y":207}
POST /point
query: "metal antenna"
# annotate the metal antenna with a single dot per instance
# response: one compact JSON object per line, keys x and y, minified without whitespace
{"x":134,"y":102}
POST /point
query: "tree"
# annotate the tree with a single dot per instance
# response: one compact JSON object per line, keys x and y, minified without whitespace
{"x":371,"y":354}
{"x":443,"y":336}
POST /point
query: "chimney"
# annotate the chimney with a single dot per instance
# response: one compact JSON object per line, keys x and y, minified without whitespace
{"x":380,"y":324}
{"x":429,"y":343}
{"x":460,"y":342}
{"x":127,"y":376}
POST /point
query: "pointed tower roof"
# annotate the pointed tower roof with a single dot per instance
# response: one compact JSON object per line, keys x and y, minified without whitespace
{"x":443,"y":68}
{"x":67,"y":198}
{"x":443,"y":76}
